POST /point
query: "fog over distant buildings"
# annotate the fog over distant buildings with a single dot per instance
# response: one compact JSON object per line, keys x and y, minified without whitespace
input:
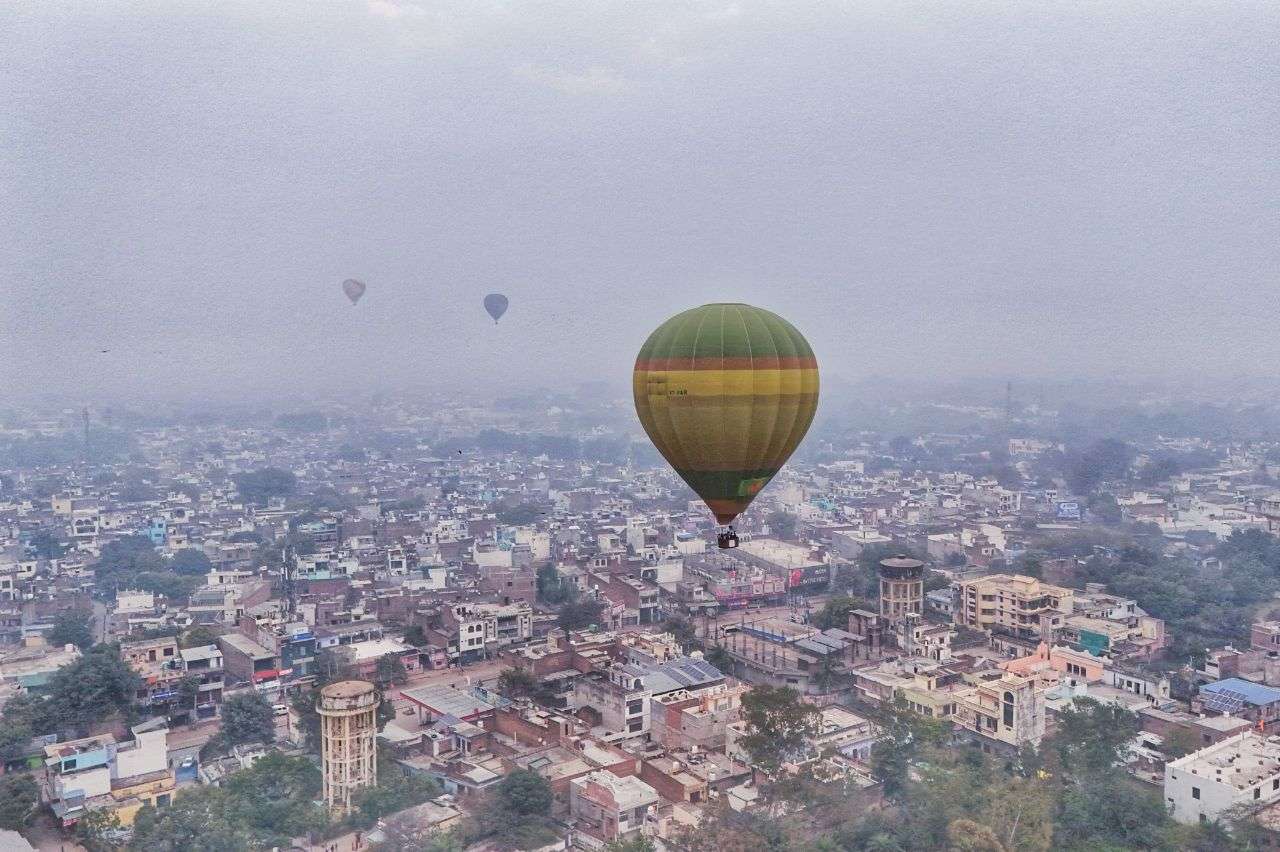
{"x":926,"y":191}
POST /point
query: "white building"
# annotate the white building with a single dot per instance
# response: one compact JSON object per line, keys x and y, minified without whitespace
{"x":1203,"y":785}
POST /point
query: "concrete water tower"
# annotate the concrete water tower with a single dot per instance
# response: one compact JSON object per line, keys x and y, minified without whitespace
{"x":348,"y":740}
{"x":901,"y":587}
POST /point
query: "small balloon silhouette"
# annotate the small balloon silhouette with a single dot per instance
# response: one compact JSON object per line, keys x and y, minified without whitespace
{"x":496,"y":305}
{"x":354,"y":289}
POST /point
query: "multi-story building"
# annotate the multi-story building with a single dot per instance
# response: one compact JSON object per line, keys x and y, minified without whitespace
{"x":158,"y":662}
{"x":1265,"y":636}
{"x":1004,"y":713}
{"x":618,"y":697}
{"x":97,"y":772}
{"x":1243,"y":770}
{"x":246,"y":661}
{"x":1013,"y":605}
{"x":204,"y":663}
{"x":607,"y":808}
{"x":471,"y":630}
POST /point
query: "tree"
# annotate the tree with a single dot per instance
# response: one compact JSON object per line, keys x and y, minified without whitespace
{"x":390,"y":671}
{"x":191,"y":562}
{"x":524,"y":793}
{"x":132,"y":563}
{"x":517,"y":683}
{"x":836,"y":612}
{"x":634,"y":843}
{"x":1103,"y":460}
{"x":517,"y":811}
{"x":19,"y":795}
{"x":73,"y":627}
{"x":188,"y":690}
{"x":21,"y":718}
{"x":579,"y":614}
{"x":396,"y":790}
{"x":783,"y":524}
{"x":1105,"y":509}
{"x":552,"y":589}
{"x":686,"y":635}
{"x":520,"y":514}
{"x":1020,"y":813}
{"x":965,"y":835}
{"x":92,"y":688}
{"x":198,"y":637}
{"x":99,"y":830}
{"x":248,"y":718}
{"x":259,"y":486}
{"x":46,"y":544}
{"x":1092,"y":736}
{"x":721,"y":659}
{"x":779,"y":725}
{"x":905,"y":735}
{"x":414,"y":635}
{"x":257,"y":808}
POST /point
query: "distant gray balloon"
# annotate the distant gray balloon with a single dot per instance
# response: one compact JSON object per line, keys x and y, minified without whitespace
{"x":354,"y":289}
{"x":496,"y":305}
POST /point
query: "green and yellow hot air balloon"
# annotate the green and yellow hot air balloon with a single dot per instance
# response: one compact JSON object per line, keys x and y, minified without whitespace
{"x":726,"y":392}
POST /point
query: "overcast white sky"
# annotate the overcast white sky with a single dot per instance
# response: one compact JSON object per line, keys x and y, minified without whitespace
{"x":924,"y":189}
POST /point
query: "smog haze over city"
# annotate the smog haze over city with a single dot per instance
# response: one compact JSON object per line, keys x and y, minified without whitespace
{"x":1038,"y":192}
{"x":480,"y":426}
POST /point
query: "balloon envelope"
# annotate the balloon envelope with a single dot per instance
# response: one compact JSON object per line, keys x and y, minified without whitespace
{"x":726,"y":392}
{"x":496,"y":305}
{"x":354,"y":289}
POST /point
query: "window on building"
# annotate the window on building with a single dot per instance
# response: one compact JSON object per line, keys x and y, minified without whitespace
{"x":1195,"y":792}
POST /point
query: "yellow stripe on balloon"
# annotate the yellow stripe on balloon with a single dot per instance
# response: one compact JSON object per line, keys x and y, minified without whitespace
{"x":675,"y":383}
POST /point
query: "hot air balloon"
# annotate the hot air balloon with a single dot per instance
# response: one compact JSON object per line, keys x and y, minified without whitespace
{"x":496,"y":305}
{"x":354,"y":289}
{"x":726,"y":392}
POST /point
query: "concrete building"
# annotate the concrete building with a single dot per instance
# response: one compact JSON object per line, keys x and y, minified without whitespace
{"x":1002,"y":714}
{"x":97,"y":772}
{"x":792,"y":562}
{"x":1014,"y":605}
{"x":1241,"y":770}
{"x":348,"y":738}
{"x":607,"y":807}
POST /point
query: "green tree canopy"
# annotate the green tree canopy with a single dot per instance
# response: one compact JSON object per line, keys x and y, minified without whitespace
{"x":579,"y":614}
{"x":198,"y":637}
{"x":191,"y":562}
{"x":390,"y":671}
{"x":248,"y":718}
{"x":262,"y":807}
{"x":73,"y":627}
{"x":779,"y":725}
{"x":259,"y":486}
{"x":91,"y":689}
{"x":19,"y":795}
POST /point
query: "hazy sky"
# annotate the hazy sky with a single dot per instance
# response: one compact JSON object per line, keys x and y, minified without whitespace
{"x":928,"y":188}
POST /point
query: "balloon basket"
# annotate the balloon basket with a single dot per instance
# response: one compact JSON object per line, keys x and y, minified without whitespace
{"x":727,"y":540}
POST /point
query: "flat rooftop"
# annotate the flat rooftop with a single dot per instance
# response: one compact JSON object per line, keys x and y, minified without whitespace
{"x":444,"y":700}
{"x":1241,"y":761}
